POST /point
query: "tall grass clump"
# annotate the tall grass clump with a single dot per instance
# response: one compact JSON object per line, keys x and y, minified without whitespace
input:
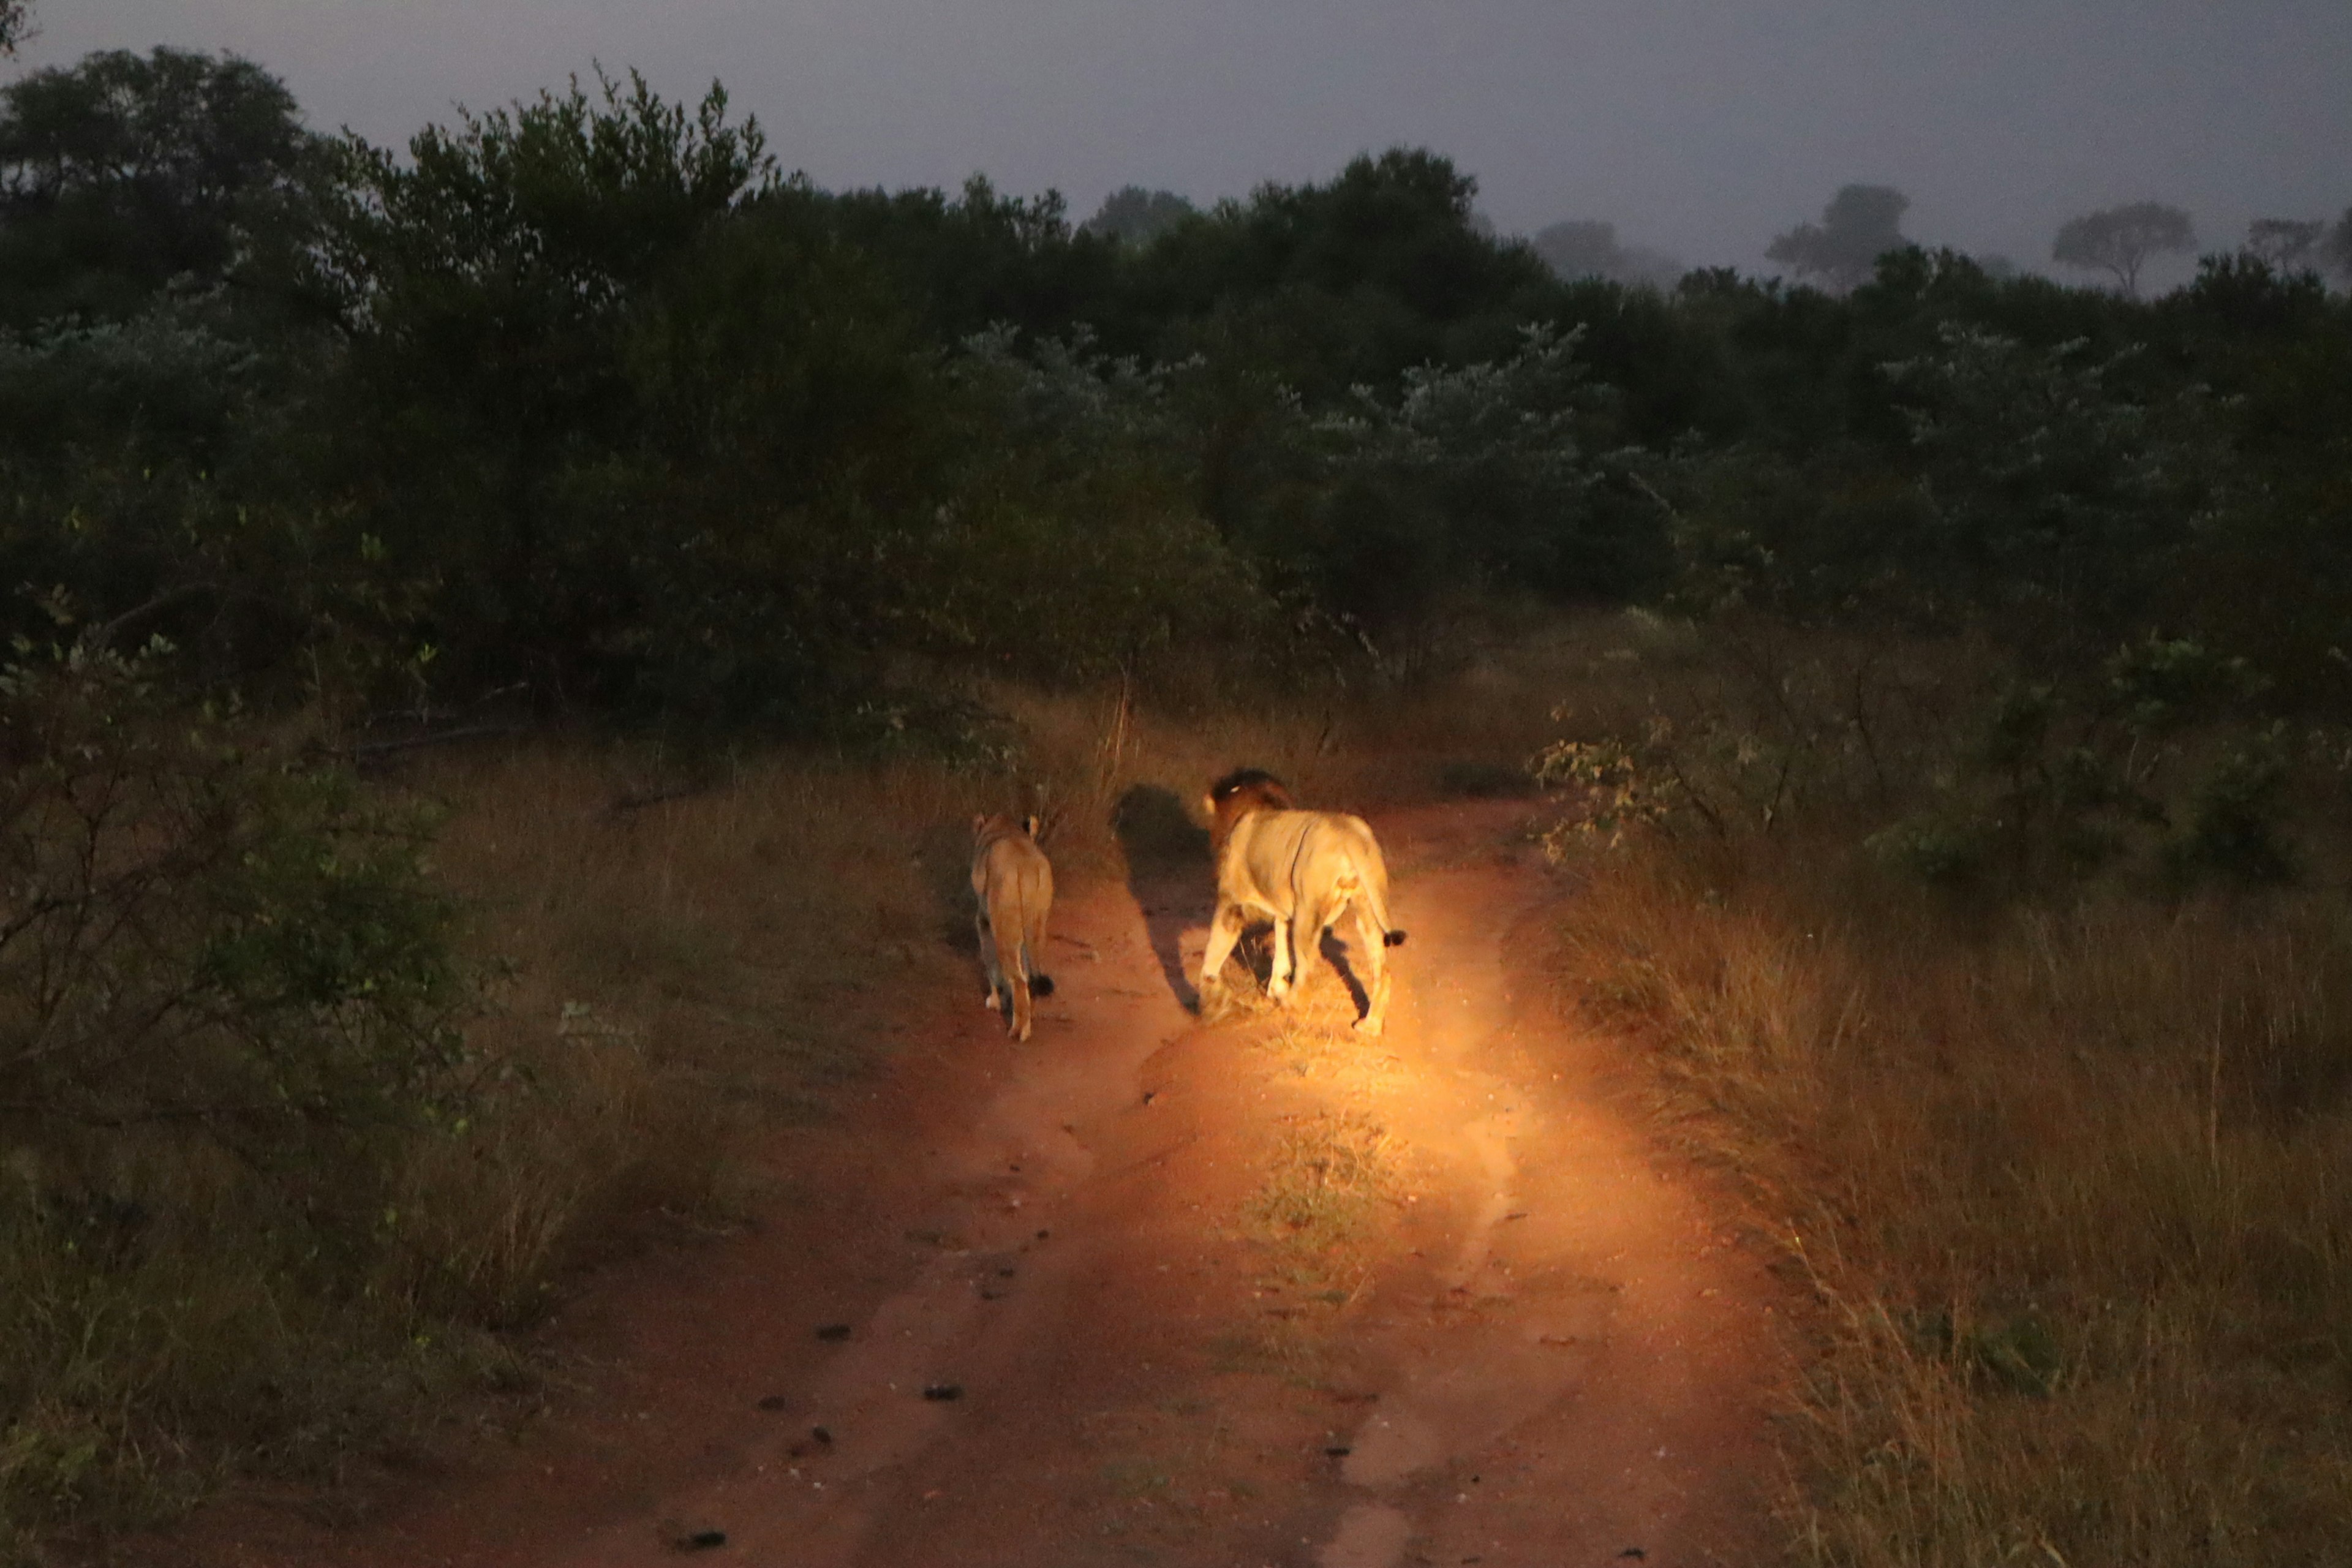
{"x":2060,"y":1157}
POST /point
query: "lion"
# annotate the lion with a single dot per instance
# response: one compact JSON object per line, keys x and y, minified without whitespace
{"x":1301,"y":870}
{"x":1014,"y":884}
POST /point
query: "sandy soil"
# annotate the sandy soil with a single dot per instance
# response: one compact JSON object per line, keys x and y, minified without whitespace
{"x":1025,"y":1305}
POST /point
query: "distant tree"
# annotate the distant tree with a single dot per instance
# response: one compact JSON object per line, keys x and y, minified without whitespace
{"x":1133,"y":216}
{"x":2121,"y":239}
{"x":2336,"y":250}
{"x":1859,"y":224}
{"x":1584,"y":247}
{"x":2284,"y":244}
{"x":15,"y":24}
{"x":123,"y":171}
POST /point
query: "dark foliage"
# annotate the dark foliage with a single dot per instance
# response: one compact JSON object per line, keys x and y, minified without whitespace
{"x":580,"y":394}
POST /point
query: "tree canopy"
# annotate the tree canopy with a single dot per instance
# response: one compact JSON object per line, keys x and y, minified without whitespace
{"x":2335,"y":249}
{"x":2284,"y":244}
{"x":125,"y":172}
{"x":2120,"y":240}
{"x":1134,"y":216}
{"x":1588,"y":249}
{"x":1860,"y":224}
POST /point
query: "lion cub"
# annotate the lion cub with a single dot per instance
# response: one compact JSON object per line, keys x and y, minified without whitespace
{"x":1014,"y":884}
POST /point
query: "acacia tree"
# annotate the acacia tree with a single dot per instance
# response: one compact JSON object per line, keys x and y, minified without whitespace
{"x":2120,"y":240}
{"x":1860,"y":224}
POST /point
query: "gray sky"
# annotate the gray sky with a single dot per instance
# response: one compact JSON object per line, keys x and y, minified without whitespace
{"x":1701,"y":129}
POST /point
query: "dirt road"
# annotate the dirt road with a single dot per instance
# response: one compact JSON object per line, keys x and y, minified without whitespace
{"x":1148,"y":1293}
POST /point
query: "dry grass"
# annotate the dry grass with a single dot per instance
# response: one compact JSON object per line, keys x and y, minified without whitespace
{"x":1324,"y":1189}
{"x":2071,"y":1185}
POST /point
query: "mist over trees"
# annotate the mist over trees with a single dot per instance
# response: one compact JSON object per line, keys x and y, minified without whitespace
{"x":2121,"y":240}
{"x":1589,"y":248}
{"x":1860,"y":224}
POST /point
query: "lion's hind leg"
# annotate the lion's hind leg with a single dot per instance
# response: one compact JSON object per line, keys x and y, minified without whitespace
{"x":1033,"y":946}
{"x":1300,"y":938}
{"x":994,"y":1001}
{"x":1011,"y":963}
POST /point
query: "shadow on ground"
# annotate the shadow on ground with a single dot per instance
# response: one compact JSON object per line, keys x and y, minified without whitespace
{"x":1168,"y":875}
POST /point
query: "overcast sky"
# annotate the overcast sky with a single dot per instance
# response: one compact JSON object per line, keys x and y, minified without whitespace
{"x":1700,"y":128}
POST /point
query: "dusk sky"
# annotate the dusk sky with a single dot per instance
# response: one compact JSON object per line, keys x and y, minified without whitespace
{"x":1698,"y":128}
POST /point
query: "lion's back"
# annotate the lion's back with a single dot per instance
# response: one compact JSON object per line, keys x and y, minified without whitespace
{"x":1275,"y":855}
{"x":1011,"y":859}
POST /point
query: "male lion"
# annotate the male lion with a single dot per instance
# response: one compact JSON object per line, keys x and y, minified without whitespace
{"x":1014,"y":883}
{"x":1301,"y":870}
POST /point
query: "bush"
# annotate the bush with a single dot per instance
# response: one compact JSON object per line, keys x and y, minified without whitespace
{"x":1947,"y":758}
{"x":229,"y":1006}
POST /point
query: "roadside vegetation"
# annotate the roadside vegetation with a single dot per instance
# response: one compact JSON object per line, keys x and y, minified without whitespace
{"x":2031,"y":1057}
{"x":504,"y":636}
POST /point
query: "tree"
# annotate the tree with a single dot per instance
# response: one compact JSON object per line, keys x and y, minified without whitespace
{"x":1133,"y":216}
{"x":532,"y":294}
{"x":1586,"y":248}
{"x":2284,"y":244}
{"x":1324,"y":286}
{"x":125,"y":172}
{"x":14,"y":26}
{"x":2121,"y":239}
{"x":1859,"y":224}
{"x":2336,"y":250}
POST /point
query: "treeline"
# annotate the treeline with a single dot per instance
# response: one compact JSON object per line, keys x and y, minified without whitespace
{"x":585,"y":396}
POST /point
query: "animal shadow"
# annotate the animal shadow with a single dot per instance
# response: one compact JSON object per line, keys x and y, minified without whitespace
{"x":1335,"y":953}
{"x":944,"y":855}
{"x":1168,"y":875}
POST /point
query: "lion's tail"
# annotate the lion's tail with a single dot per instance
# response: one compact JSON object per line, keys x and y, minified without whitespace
{"x":1376,"y":898}
{"x":1033,"y":941}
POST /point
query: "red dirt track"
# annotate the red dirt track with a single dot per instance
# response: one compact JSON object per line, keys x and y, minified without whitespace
{"x":1547,"y":1351}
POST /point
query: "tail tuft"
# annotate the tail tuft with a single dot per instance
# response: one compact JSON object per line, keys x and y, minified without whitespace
{"x":1041,"y":985}
{"x":1393,"y":938}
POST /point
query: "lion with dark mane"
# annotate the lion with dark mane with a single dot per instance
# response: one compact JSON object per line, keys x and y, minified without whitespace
{"x":1303,"y":870}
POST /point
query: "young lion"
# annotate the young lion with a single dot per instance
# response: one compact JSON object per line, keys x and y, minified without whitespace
{"x":1014,"y":884}
{"x":1302,"y":870}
